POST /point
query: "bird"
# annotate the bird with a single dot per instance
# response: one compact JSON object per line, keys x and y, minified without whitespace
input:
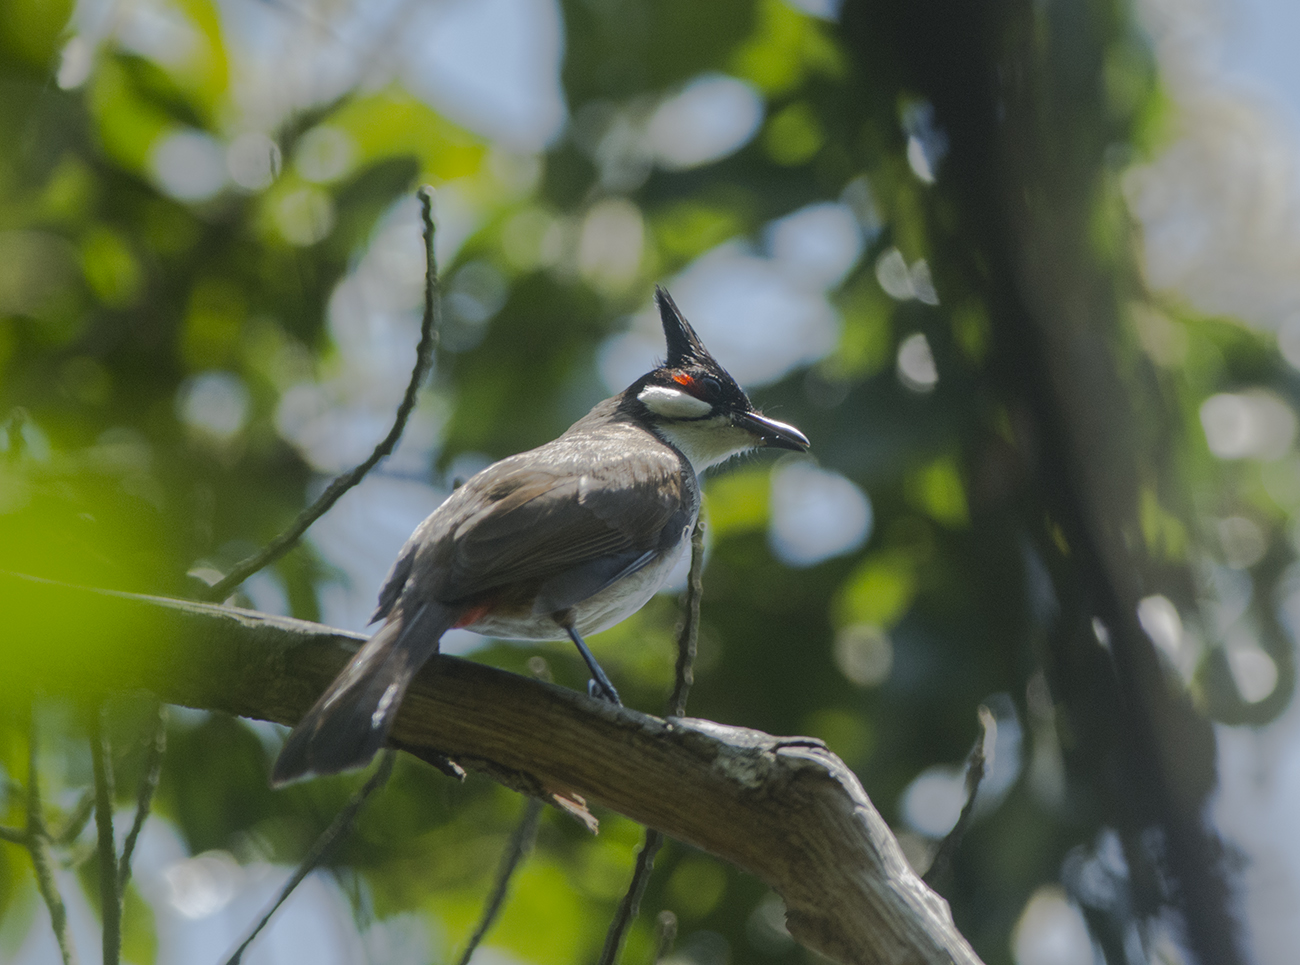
{"x":564,"y":540}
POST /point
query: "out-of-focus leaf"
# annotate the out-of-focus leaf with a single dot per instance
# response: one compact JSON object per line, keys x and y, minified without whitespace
{"x":793,"y":135}
{"x":786,"y":47}
{"x":879,"y":591}
{"x":111,"y":269}
{"x":738,"y":502}
{"x":939,"y":491}
{"x":392,"y":122}
{"x":544,"y":921}
{"x":30,"y":31}
{"x":128,"y":123}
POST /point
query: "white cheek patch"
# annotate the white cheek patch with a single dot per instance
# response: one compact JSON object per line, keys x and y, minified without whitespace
{"x":673,"y":403}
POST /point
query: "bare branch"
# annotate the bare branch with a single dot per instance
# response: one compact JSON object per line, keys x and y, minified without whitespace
{"x":144,"y":794}
{"x":688,"y":636}
{"x":784,"y":809}
{"x":338,"y":829}
{"x":521,"y":842}
{"x":76,"y":820}
{"x":630,"y":904}
{"x":940,"y":869}
{"x":341,"y":484}
{"x":110,"y":901}
{"x":42,"y":860}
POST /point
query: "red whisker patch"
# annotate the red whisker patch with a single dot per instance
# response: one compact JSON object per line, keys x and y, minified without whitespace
{"x":473,"y":615}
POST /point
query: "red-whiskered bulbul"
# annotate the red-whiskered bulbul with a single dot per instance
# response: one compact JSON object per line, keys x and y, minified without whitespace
{"x":564,"y":540}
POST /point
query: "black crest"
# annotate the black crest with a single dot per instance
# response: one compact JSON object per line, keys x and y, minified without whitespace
{"x":684,"y":346}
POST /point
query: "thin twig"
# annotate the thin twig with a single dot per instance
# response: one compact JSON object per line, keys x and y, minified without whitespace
{"x":338,"y":829}
{"x":341,"y":484}
{"x":110,"y":901}
{"x":42,"y":860}
{"x":687,"y":638}
{"x":631,"y":902}
{"x":13,"y":835}
{"x":144,"y":794}
{"x":941,"y":867}
{"x":689,"y":634}
{"x":521,"y":842}
{"x":76,"y":820}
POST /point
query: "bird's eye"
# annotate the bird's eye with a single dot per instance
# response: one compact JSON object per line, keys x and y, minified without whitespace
{"x":710,"y":386}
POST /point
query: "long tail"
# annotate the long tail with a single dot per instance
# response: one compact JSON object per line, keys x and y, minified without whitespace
{"x":350,"y":722}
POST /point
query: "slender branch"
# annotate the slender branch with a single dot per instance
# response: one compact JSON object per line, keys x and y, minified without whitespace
{"x":631,"y":901}
{"x":689,"y":634}
{"x":341,"y":484}
{"x":38,"y":844}
{"x":75,"y":823}
{"x":110,"y":901}
{"x":940,"y":869}
{"x":13,"y":835}
{"x":521,"y":842}
{"x":144,"y":795}
{"x":687,"y":638}
{"x":337,"y":830}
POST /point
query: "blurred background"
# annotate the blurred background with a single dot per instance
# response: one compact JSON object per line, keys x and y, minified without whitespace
{"x":1027,"y":274}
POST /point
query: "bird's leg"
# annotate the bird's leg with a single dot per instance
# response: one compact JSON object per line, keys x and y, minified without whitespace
{"x":600,"y":687}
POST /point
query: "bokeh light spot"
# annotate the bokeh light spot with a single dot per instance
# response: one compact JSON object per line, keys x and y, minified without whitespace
{"x":203,"y":885}
{"x":1051,"y":931}
{"x":253,"y":161}
{"x":816,"y":514}
{"x":934,"y":799}
{"x":324,"y":154}
{"x":819,"y":243}
{"x":493,"y":66}
{"x":864,"y":653}
{"x":916,"y":368}
{"x":188,"y":165}
{"x":214,"y":403}
{"x":1248,"y":425}
{"x":610,"y":243}
{"x":1254,"y":672}
{"x":711,"y":117}
{"x":305,"y":216}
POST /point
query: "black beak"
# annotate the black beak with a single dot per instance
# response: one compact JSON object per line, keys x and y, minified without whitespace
{"x":776,"y":435}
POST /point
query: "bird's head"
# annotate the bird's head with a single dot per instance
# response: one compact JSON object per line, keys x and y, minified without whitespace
{"x":694,"y":404}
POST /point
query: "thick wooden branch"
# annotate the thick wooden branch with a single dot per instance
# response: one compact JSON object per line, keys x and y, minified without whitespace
{"x":785,"y":809}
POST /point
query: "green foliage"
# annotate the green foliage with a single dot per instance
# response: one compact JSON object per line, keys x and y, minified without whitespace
{"x":119,"y":294}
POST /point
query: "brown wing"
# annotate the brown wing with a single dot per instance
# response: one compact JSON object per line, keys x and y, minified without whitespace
{"x":531,"y":525}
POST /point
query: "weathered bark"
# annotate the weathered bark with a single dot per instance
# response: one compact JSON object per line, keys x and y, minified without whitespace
{"x":785,"y":809}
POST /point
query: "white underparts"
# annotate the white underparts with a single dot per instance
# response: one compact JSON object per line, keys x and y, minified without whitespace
{"x":673,"y":403}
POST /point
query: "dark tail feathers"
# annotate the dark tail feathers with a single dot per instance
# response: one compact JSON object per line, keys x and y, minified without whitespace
{"x":350,"y":722}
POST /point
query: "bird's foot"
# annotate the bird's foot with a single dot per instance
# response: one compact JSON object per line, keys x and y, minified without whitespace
{"x":603,"y":691}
